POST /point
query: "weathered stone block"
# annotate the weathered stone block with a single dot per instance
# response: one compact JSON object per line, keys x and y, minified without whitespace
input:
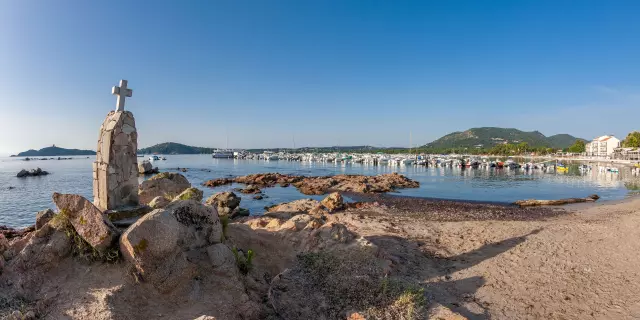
{"x":87,"y":220}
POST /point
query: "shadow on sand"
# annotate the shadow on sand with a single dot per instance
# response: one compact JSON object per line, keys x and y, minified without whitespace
{"x":435,"y":274}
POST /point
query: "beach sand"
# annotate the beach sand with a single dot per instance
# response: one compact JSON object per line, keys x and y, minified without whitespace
{"x":580,"y":264}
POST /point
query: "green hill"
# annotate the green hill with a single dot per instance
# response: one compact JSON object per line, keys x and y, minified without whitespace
{"x":174,"y":148}
{"x":55,"y":151}
{"x":488,"y":137}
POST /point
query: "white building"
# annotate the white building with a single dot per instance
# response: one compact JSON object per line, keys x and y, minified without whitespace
{"x":602,"y":146}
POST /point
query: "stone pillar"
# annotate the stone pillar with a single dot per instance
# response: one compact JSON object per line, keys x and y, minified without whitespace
{"x":115,"y":171}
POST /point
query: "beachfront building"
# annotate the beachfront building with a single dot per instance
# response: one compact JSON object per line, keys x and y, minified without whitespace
{"x":602,"y":147}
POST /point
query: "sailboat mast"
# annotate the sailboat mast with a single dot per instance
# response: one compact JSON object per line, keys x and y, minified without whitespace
{"x":410,"y":142}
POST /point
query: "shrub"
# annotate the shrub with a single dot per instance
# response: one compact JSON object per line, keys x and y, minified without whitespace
{"x":244,"y":263}
{"x":355,"y":281}
{"x":225,"y":225}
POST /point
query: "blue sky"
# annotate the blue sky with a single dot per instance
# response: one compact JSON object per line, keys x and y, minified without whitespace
{"x":326,"y":72}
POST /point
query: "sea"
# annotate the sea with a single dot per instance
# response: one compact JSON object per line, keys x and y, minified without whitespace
{"x":22,"y":198}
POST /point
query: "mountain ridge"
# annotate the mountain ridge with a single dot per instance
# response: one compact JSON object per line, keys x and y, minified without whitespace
{"x":487,"y":137}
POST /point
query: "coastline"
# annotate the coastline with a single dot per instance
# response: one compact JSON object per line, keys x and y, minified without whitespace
{"x":474,"y":260}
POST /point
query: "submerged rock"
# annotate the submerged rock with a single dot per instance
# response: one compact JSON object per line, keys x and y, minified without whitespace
{"x":166,"y":184}
{"x":87,"y":220}
{"x":251,"y":189}
{"x":33,"y":173}
{"x":217,"y":182}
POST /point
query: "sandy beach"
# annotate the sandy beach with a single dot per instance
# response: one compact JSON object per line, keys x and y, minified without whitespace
{"x":472,"y":260}
{"x":579,"y":265}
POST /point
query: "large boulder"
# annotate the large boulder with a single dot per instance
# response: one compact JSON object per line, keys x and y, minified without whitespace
{"x":87,"y":220}
{"x":159,"y":202}
{"x":190,"y":194}
{"x":145,"y":167}
{"x":166,"y":184}
{"x":160,"y":244}
{"x":333,"y":202}
{"x":225,"y":202}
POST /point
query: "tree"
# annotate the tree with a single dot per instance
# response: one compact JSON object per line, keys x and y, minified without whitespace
{"x":523,"y":147}
{"x":632,"y":140}
{"x":577,"y":147}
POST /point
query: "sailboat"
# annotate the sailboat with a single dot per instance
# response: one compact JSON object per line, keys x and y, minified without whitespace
{"x":223,"y":153}
{"x":408,"y":162}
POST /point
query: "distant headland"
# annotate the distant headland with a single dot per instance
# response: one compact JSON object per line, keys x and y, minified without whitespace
{"x":474,"y":140}
{"x":54,"y":151}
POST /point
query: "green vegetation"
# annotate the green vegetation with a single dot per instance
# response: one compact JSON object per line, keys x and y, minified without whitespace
{"x":472,"y":141}
{"x":225,"y":225}
{"x":55,"y":151}
{"x":245,"y":263}
{"x":578,"y":147}
{"x":80,"y":247}
{"x":632,"y":140}
{"x":174,"y":148}
{"x":354,"y":281}
{"x":488,"y":137}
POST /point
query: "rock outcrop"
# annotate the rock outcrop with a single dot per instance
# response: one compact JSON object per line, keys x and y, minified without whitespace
{"x":164,"y":244}
{"x":190,"y":194}
{"x":333,"y":202}
{"x":225,"y":202}
{"x":217,"y":182}
{"x":43,"y":217}
{"x":321,"y":185}
{"x":145,"y":167}
{"x":251,"y":189}
{"x":32,"y":173}
{"x":87,"y":220}
{"x":166,"y":184}
{"x":295,"y":207}
{"x":159,"y":202}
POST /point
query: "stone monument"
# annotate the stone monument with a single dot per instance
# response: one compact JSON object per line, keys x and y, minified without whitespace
{"x":115,"y":171}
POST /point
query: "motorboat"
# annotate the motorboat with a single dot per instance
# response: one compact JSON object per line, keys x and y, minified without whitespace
{"x":154,"y":158}
{"x":222,"y":154}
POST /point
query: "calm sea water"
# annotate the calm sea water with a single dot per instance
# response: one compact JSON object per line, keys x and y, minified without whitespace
{"x":29,"y":195}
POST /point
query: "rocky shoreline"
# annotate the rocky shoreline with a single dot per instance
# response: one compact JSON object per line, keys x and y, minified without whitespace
{"x":320,"y":185}
{"x":381,"y":257}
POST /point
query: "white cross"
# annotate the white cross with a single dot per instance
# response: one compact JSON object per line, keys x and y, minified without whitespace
{"x":122,"y":92}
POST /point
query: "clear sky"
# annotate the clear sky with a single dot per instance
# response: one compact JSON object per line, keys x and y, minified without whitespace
{"x":327,"y":72}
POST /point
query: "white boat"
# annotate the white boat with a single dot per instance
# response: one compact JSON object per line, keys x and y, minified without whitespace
{"x":269,"y":156}
{"x":222,"y":154}
{"x":154,"y":158}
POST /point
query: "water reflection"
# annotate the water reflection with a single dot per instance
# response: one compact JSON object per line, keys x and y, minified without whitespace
{"x":19,"y":204}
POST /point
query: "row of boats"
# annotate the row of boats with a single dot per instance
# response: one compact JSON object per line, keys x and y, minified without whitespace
{"x":395,"y":160}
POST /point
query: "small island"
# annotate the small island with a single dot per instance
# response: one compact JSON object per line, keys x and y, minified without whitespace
{"x":54,"y":151}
